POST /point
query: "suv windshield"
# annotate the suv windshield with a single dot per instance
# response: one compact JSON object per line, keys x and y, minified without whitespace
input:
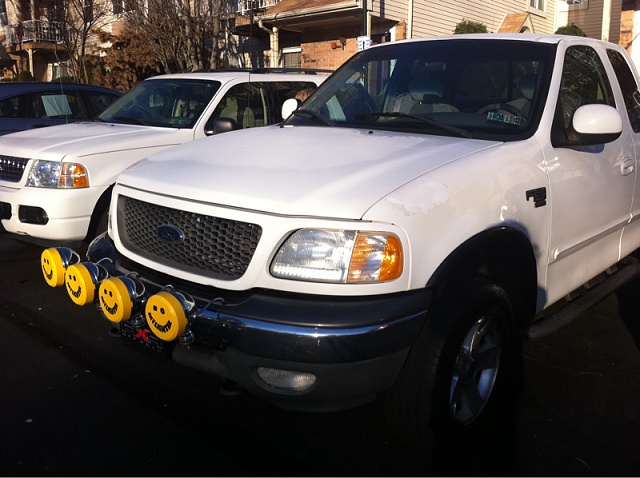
{"x":171,"y":103}
{"x":483,"y":89}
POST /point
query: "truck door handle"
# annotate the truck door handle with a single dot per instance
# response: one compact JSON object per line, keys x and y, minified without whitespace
{"x":627,"y":167}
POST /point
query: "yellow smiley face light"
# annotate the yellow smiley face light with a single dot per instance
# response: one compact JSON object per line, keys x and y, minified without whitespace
{"x":120,"y":297}
{"x":166,"y":313}
{"x":82,"y":280}
{"x":54,"y":263}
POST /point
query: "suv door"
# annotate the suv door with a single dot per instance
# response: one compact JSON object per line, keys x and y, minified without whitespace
{"x":590,"y":192}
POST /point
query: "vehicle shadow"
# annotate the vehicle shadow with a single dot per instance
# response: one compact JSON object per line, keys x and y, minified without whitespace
{"x":628,"y":306}
{"x":489,"y":451}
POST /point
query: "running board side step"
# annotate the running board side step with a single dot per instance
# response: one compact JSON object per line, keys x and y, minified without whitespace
{"x":628,"y":269}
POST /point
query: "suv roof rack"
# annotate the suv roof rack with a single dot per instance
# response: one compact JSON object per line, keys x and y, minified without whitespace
{"x":308,"y":71}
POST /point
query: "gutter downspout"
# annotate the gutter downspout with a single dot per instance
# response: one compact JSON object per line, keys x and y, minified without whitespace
{"x":409,"y":34}
{"x":274,"y":44}
{"x":606,"y":20}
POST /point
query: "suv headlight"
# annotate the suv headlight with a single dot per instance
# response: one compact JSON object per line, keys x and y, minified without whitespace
{"x":54,"y":174}
{"x":339,"y":256}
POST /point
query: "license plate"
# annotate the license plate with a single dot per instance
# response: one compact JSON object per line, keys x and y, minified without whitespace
{"x":141,"y":338}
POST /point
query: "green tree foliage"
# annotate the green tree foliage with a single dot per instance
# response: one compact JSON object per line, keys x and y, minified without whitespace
{"x":469,"y":26}
{"x":571,"y":30}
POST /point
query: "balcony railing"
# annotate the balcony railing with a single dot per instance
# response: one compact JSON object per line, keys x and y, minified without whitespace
{"x":41,"y":31}
{"x":245,"y":6}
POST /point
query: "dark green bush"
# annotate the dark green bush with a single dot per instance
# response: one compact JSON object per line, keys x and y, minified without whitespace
{"x":469,"y":26}
{"x":25,"y":76}
{"x":572,"y":29}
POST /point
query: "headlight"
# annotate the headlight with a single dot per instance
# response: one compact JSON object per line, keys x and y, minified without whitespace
{"x":54,"y":174}
{"x":339,"y":256}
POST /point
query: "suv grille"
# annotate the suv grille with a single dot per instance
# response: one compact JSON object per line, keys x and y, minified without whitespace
{"x":221,"y":248}
{"x":12,"y":168}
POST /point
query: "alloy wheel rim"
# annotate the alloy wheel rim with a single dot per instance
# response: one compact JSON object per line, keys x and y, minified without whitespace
{"x":475,"y":371}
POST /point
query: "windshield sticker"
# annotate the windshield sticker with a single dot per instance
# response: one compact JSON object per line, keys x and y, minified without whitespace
{"x":495,"y":117}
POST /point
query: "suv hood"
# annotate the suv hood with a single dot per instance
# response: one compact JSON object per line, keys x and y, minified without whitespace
{"x":300,"y":170}
{"x":83,"y":139}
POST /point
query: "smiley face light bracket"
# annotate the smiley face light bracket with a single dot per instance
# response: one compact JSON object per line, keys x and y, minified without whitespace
{"x":167,"y":313}
{"x":122,"y":298}
{"x":54,"y":262}
{"x":82,"y":281}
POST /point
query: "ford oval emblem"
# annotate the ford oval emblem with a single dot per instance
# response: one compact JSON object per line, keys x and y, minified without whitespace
{"x":170,"y":234}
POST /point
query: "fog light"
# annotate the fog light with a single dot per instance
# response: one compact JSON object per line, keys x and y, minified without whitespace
{"x":120,"y":297}
{"x":33,"y":215}
{"x":289,"y":380}
{"x":54,"y":263}
{"x":82,"y":280}
{"x":167,"y":312}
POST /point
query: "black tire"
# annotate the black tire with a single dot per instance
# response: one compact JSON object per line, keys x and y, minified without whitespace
{"x":459,"y":371}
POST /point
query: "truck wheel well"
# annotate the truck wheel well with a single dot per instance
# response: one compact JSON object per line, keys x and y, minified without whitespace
{"x":502,"y":255}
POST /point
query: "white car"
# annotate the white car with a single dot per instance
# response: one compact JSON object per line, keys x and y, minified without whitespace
{"x":432,"y":203}
{"x":55,"y":183}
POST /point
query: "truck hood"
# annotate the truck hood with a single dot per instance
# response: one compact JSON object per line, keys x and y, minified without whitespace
{"x":303,"y":171}
{"x":84,"y":139}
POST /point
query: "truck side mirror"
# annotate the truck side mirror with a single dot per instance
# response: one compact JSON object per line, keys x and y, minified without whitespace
{"x":289,"y":106}
{"x":591,"y":125}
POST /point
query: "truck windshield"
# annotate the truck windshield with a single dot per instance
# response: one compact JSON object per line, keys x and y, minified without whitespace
{"x":491,"y":89}
{"x":170,"y":103}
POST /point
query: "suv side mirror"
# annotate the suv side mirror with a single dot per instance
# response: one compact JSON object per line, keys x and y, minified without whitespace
{"x":220,"y":125}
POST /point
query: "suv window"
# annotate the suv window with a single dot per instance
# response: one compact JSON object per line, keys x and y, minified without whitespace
{"x":258,"y":103}
{"x":628,"y":86}
{"x":55,"y":105}
{"x":9,"y":107}
{"x":96,"y":102}
{"x":247,"y":104}
{"x":283,"y":91}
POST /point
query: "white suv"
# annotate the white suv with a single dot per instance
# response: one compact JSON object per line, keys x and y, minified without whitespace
{"x":55,"y":183}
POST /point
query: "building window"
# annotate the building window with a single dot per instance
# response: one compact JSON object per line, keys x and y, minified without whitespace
{"x":121,"y":6}
{"x":87,"y":10}
{"x":537,"y":4}
{"x":3,"y":12}
{"x":292,"y":57}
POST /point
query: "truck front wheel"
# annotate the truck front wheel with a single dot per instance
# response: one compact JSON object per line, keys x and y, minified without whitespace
{"x":460,"y":370}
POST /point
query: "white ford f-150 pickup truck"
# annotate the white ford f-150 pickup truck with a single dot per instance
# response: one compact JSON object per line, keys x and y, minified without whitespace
{"x":432,"y":203}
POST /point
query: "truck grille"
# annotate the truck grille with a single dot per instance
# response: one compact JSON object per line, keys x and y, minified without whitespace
{"x":220,"y":248}
{"x":12,"y":168}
